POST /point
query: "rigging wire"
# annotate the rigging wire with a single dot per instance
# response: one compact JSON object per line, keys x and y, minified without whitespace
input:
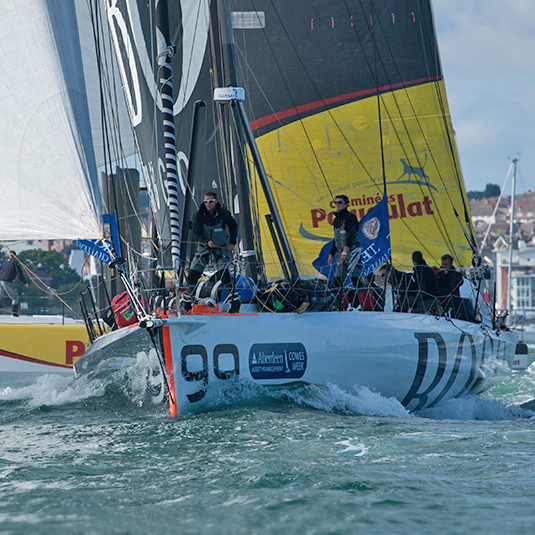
{"x":432,"y":75}
{"x":299,"y":115}
{"x":377,"y":21}
{"x":110,"y":122}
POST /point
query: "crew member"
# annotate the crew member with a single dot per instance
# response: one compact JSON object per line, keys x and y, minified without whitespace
{"x":449,"y":279}
{"x":345,"y":243}
{"x":9,"y":271}
{"x":423,"y":285}
{"x":449,"y":284}
{"x":399,"y":280}
{"x":215,"y":230}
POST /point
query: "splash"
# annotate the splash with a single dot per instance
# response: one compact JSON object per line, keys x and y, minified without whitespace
{"x":475,"y":408}
{"x":330,"y":398}
{"x":52,"y":390}
{"x":141,"y":384}
{"x":362,"y":401}
{"x":138,"y":383}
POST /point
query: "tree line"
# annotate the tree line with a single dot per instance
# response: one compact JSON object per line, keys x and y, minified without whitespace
{"x":491,"y":190}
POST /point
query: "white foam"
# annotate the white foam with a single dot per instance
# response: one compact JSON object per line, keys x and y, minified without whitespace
{"x":473,"y":408}
{"x":360,"y":448}
{"x":361,"y":401}
{"x":51,"y":389}
{"x":328,"y":398}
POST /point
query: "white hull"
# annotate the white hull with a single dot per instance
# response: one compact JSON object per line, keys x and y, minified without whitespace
{"x":9,"y":365}
{"x":418,"y":359}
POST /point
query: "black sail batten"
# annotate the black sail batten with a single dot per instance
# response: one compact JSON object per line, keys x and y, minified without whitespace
{"x":188,"y":196}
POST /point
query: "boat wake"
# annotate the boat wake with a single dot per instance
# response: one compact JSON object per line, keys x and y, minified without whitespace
{"x":141,"y":386}
{"x":362,"y":402}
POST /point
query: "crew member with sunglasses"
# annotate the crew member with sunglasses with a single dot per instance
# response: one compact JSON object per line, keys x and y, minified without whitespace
{"x":210,"y":226}
{"x":346,"y":228}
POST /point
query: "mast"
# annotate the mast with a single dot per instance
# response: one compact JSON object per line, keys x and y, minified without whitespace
{"x":511,"y":230}
{"x":283,"y":239}
{"x":225,"y":75}
{"x":188,"y":197}
{"x":166,"y":51}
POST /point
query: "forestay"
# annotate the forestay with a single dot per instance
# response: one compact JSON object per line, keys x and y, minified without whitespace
{"x":135,"y":42}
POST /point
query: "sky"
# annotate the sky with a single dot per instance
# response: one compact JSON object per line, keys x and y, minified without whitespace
{"x":487,"y":49}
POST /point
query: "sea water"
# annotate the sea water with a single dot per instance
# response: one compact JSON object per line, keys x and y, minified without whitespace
{"x":93,"y":457}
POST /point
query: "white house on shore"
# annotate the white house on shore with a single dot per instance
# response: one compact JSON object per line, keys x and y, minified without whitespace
{"x":522,"y":281}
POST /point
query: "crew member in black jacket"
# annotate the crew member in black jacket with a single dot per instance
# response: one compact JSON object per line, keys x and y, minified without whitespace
{"x":346,"y":228}
{"x":423,"y":286}
{"x":449,"y":279}
{"x":449,"y":284}
{"x":215,"y":230}
{"x":9,"y":271}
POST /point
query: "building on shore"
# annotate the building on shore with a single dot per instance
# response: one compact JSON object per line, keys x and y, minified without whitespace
{"x":522,"y":281}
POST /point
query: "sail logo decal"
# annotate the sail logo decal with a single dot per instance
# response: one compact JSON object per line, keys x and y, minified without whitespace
{"x":360,"y":206}
{"x":277,"y":361}
{"x":370,"y":229}
{"x":414,"y":174}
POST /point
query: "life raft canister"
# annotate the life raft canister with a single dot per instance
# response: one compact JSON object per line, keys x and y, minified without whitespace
{"x":123,"y":310}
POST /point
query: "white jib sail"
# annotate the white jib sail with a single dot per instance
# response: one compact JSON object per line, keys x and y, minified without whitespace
{"x":48,"y":176}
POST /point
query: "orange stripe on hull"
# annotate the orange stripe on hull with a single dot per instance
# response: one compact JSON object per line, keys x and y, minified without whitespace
{"x":168,"y":356}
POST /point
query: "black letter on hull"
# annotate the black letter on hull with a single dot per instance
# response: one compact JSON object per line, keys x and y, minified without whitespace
{"x":473,"y":368}
{"x":230,"y":349}
{"x":195,"y":376}
{"x":423,"y":351}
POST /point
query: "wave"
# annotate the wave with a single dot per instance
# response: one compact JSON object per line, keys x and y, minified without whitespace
{"x":329,"y":398}
{"x":141,"y":385}
{"x":52,"y":390}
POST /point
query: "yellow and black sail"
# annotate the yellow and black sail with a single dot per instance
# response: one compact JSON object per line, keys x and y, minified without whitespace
{"x":346,"y":96}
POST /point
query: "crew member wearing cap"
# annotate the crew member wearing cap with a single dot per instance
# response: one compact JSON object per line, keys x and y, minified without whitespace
{"x":215,"y":230}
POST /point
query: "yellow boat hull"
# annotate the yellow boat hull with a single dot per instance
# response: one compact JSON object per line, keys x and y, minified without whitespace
{"x":41,"y":347}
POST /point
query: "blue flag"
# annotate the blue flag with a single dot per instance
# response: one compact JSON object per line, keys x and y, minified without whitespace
{"x":321,"y":263}
{"x":374,"y":237}
{"x":102,"y":249}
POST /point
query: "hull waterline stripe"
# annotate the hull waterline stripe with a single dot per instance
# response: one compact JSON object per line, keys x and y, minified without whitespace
{"x":30,"y":359}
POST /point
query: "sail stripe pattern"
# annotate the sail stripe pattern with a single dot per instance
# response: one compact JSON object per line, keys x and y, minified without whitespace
{"x":137,"y":48}
{"x":284,"y":114}
{"x":165,"y":52}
